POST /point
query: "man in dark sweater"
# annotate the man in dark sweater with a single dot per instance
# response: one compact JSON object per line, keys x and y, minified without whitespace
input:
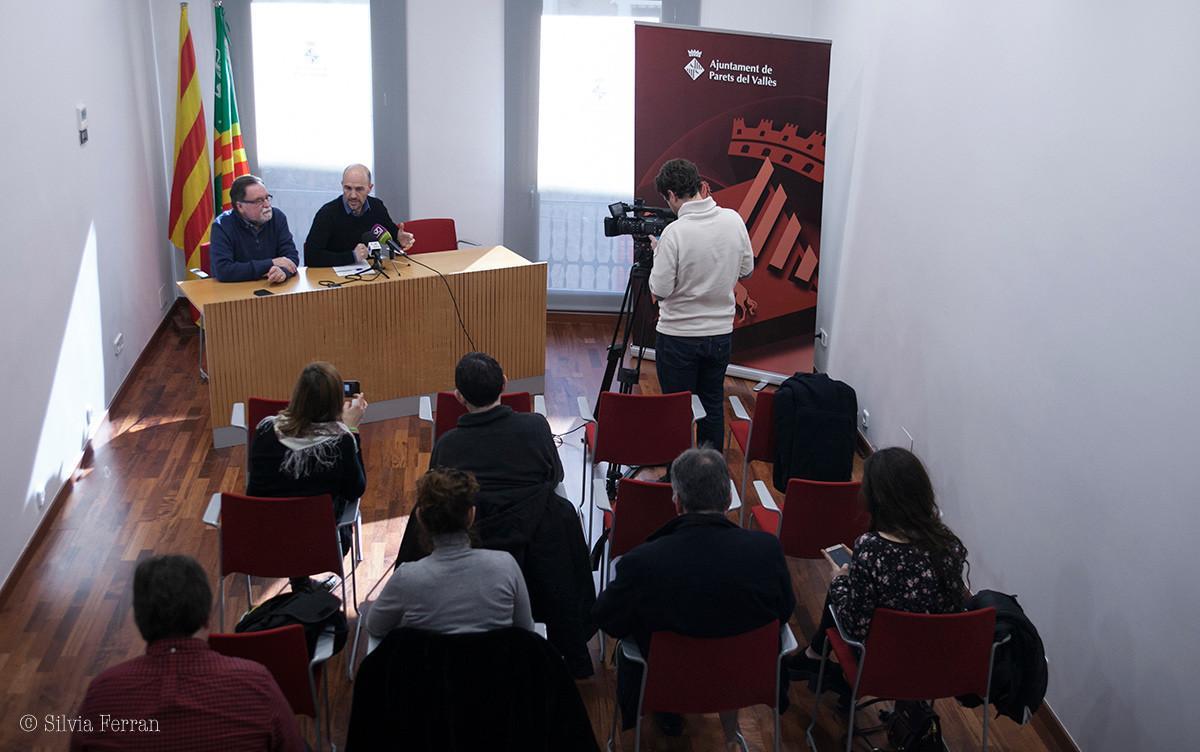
{"x":699,"y":575}
{"x":252,"y":240}
{"x":336,"y":236}
{"x":503,"y":448}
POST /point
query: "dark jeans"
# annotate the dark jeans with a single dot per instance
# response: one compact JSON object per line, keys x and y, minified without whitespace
{"x":697,"y":365}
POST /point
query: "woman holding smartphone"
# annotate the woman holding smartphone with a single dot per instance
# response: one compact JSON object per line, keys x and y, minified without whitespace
{"x":908,"y":561}
{"x":311,"y":447}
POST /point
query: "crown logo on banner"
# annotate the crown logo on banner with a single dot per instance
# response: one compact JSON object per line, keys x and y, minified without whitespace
{"x":694,"y":68}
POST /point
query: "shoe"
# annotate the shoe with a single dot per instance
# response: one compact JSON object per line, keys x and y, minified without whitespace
{"x":670,"y":724}
{"x":303,"y":584}
{"x":328,"y":584}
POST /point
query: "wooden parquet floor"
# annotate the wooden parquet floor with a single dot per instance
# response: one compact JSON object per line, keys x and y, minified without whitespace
{"x":143,"y":486}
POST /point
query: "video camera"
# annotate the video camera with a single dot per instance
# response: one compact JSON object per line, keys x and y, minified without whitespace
{"x":646,"y":221}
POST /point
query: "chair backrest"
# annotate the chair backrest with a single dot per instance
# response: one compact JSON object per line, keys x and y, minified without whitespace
{"x":449,"y":409}
{"x":643,"y":429}
{"x":431,"y":235}
{"x":927,"y":656}
{"x":762,"y":429}
{"x":258,"y":408}
{"x":283,"y":537}
{"x":698,"y":675}
{"x":819,"y":514}
{"x":284,"y":652}
{"x":641,"y":507}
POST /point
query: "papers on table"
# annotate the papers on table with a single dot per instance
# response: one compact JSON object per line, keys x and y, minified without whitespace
{"x":346,"y":271}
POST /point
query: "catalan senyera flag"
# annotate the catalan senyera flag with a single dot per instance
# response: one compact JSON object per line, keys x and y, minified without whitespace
{"x":229,"y":153}
{"x":191,"y":184}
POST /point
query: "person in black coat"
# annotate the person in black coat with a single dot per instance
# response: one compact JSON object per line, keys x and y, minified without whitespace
{"x":514,"y":458}
{"x":700,"y":575}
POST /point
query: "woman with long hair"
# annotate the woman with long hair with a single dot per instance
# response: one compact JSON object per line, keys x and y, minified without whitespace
{"x":908,"y":560}
{"x":456,"y":589}
{"x":311,"y":447}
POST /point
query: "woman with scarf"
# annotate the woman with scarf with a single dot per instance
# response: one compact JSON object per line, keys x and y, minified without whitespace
{"x":311,"y":447}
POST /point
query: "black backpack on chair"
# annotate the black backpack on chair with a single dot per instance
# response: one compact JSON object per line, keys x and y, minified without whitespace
{"x":317,"y":612}
{"x":816,"y":429}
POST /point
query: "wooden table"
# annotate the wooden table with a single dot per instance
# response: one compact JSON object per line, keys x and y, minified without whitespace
{"x":400,"y":336}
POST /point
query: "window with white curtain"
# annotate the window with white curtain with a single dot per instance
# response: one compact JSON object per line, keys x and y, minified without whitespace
{"x":313,"y":100}
{"x":585,"y":143}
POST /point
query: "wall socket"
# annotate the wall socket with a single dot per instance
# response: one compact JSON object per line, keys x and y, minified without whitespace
{"x":162,"y":297}
{"x":864,"y":419}
{"x":118,"y":343}
{"x":40,"y":497}
{"x":823,"y":337}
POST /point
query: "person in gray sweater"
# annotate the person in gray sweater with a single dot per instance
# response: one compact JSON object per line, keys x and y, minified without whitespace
{"x":456,"y":589}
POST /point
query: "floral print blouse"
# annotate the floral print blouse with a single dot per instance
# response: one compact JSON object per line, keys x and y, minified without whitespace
{"x":900,"y":576}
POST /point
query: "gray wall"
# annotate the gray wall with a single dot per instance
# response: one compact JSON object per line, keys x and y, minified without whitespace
{"x":85,"y":236}
{"x":1009,"y":272}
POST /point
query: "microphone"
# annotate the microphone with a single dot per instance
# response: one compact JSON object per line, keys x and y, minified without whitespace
{"x":380,"y":234}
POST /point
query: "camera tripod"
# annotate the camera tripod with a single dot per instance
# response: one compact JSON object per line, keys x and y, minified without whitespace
{"x":637,"y":292}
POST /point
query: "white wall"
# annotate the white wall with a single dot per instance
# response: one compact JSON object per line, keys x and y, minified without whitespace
{"x":85,"y":226}
{"x":1011,"y":220}
{"x":456,"y":114}
{"x":785,"y":17}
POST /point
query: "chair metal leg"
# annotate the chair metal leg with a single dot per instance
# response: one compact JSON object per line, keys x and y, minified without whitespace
{"x":358,"y":554}
{"x":249,"y":595}
{"x":637,"y":731}
{"x":745,"y":501}
{"x":812,"y":725}
{"x":221,"y":602}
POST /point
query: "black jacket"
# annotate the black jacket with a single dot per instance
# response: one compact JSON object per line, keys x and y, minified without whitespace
{"x":699,"y":575}
{"x":1019,"y":675}
{"x":505,"y":449}
{"x":501,"y":690}
{"x":815,"y":428}
{"x":334,"y":233}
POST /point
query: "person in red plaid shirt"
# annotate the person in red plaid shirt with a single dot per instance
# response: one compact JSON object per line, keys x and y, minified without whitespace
{"x":181,"y":695}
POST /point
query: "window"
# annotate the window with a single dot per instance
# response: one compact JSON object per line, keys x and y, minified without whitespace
{"x":585,"y":145}
{"x":312,"y":91}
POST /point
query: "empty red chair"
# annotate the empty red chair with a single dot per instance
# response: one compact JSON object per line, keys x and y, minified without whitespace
{"x":815,"y":515}
{"x":754,"y":435}
{"x":641,"y":507}
{"x":431,"y":235}
{"x":635,"y":430}
{"x":911,"y":656}
{"x":697,"y":675}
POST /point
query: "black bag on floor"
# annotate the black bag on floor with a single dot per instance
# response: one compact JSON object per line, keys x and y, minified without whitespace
{"x":913,"y":727}
{"x":317,"y":612}
{"x":816,"y":429}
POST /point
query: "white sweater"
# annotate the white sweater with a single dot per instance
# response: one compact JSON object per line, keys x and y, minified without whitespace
{"x":699,"y":258}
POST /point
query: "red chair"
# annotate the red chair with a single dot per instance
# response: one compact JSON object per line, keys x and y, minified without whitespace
{"x":449,"y":409}
{"x":284,"y":652}
{"x":641,"y":507}
{"x":815,"y":515}
{"x":755,"y":436}
{"x":914,"y":657}
{"x":635,"y":430}
{"x":697,"y":675}
{"x":431,"y":235}
{"x":303,"y":530}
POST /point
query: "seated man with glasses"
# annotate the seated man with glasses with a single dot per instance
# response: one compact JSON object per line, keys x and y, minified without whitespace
{"x":252,"y":240}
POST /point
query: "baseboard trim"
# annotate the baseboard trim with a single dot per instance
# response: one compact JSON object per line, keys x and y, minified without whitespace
{"x":1051,"y":730}
{"x":55,"y":504}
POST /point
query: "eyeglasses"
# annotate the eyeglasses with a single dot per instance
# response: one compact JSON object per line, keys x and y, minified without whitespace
{"x":259,"y":201}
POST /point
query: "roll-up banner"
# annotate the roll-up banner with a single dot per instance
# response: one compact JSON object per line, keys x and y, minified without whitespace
{"x":750,"y":111}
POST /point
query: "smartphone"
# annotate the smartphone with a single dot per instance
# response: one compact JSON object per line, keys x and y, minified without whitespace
{"x":839,"y":555}
{"x":351,"y":388}
{"x":263,"y":292}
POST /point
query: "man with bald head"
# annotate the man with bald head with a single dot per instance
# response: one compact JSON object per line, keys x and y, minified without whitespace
{"x":336,"y":236}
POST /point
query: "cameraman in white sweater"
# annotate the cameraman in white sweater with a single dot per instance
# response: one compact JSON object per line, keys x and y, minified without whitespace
{"x":697,"y":262}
